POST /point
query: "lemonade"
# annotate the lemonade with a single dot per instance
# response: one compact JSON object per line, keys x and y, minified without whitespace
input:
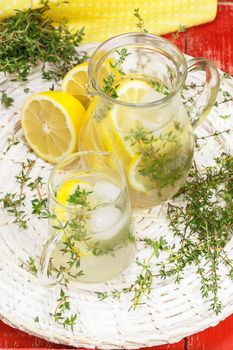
{"x":136,"y":82}
{"x":91,"y":235}
{"x":154,"y":145}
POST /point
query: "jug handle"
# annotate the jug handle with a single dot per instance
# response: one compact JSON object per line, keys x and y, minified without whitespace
{"x":199,"y":111}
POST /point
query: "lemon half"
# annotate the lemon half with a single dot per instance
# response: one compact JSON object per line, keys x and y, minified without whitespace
{"x":51,"y":122}
{"x":75,"y":83}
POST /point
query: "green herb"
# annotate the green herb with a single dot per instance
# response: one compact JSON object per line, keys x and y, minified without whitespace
{"x":26,"y":90}
{"x":29,"y":37}
{"x":159,"y":87}
{"x":38,"y":205}
{"x":102,"y":295}
{"x":11,"y":141}
{"x":182,"y":29}
{"x":62,"y":308}
{"x":36,"y":319}
{"x":203,"y":227}
{"x":13,"y":203}
{"x":80,"y":197}
{"x":140,"y":24}
{"x":6,"y":100}
{"x":123,"y":53}
{"x":227,"y":98}
{"x":23,"y":176}
{"x":226,"y":75}
{"x":109,"y":87}
{"x":225,"y":116}
{"x":30,"y":265}
{"x":155,"y":164}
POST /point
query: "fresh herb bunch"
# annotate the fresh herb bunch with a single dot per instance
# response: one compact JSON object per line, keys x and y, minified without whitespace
{"x":204,"y":226}
{"x":29,"y":37}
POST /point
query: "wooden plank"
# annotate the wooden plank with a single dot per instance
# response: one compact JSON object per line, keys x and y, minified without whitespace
{"x":214,"y":40}
{"x":214,"y":338}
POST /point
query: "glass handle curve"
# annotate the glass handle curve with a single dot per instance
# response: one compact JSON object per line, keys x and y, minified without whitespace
{"x":199,"y":110}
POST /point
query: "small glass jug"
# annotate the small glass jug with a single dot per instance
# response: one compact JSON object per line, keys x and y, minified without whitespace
{"x":137,"y":112}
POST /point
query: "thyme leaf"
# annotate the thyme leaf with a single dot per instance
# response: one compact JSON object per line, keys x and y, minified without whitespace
{"x":6,"y":100}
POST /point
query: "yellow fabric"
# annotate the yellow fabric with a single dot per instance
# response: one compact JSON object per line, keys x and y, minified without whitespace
{"x":105,"y":18}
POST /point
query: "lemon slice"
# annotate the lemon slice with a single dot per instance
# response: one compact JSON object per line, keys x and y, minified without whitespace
{"x":136,"y":180}
{"x":69,"y":187}
{"x":51,"y":122}
{"x":75,"y":83}
{"x":124,"y":119}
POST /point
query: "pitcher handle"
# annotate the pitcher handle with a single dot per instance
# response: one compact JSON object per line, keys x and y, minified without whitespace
{"x":199,"y":111}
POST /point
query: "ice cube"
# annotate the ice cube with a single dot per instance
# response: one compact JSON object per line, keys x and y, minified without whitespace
{"x":103,"y":222}
{"x":105,"y":191}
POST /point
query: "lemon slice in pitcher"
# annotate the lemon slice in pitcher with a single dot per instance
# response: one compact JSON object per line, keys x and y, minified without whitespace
{"x":123,"y":119}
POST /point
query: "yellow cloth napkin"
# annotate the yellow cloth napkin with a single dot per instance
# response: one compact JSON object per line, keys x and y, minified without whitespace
{"x":105,"y":18}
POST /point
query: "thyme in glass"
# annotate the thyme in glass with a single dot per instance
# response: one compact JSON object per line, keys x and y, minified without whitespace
{"x":159,"y":87}
{"x":6,"y":100}
{"x":155,"y":163}
{"x":60,"y":313}
{"x":29,"y":37}
{"x":80,"y":198}
{"x":109,"y":84}
{"x":109,"y":87}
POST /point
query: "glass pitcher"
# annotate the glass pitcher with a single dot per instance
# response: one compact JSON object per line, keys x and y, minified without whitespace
{"x":137,"y":112}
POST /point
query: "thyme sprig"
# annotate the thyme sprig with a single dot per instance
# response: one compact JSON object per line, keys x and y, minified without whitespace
{"x":140,"y":24}
{"x":14,"y":203}
{"x":109,"y":84}
{"x":11,"y":141}
{"x":60,"y":313}
{"x":29,"y":37}
{"x":30,"y":265}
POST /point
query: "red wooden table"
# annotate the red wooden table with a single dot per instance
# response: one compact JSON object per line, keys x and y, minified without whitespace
{"x":215,"y":42}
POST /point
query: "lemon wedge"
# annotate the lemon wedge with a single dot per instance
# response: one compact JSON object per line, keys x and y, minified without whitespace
{"x":51,"y":122}
{"x":75,"y":83}
{"x":136,"y":180}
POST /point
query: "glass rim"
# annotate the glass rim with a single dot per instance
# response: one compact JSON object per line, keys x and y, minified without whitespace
{"x":80,"y":211}
{"x":180,"y":81}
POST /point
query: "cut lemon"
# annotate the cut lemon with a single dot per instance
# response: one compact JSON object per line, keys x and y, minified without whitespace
{"x":75,"y":83}
{"x":124,"y":119}
{"x":136,"y":180}
{"x":51,"y":122}
{"x":69,"y":187}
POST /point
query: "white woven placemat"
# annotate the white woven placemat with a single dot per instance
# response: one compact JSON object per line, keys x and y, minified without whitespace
{"x":169,"y":313}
